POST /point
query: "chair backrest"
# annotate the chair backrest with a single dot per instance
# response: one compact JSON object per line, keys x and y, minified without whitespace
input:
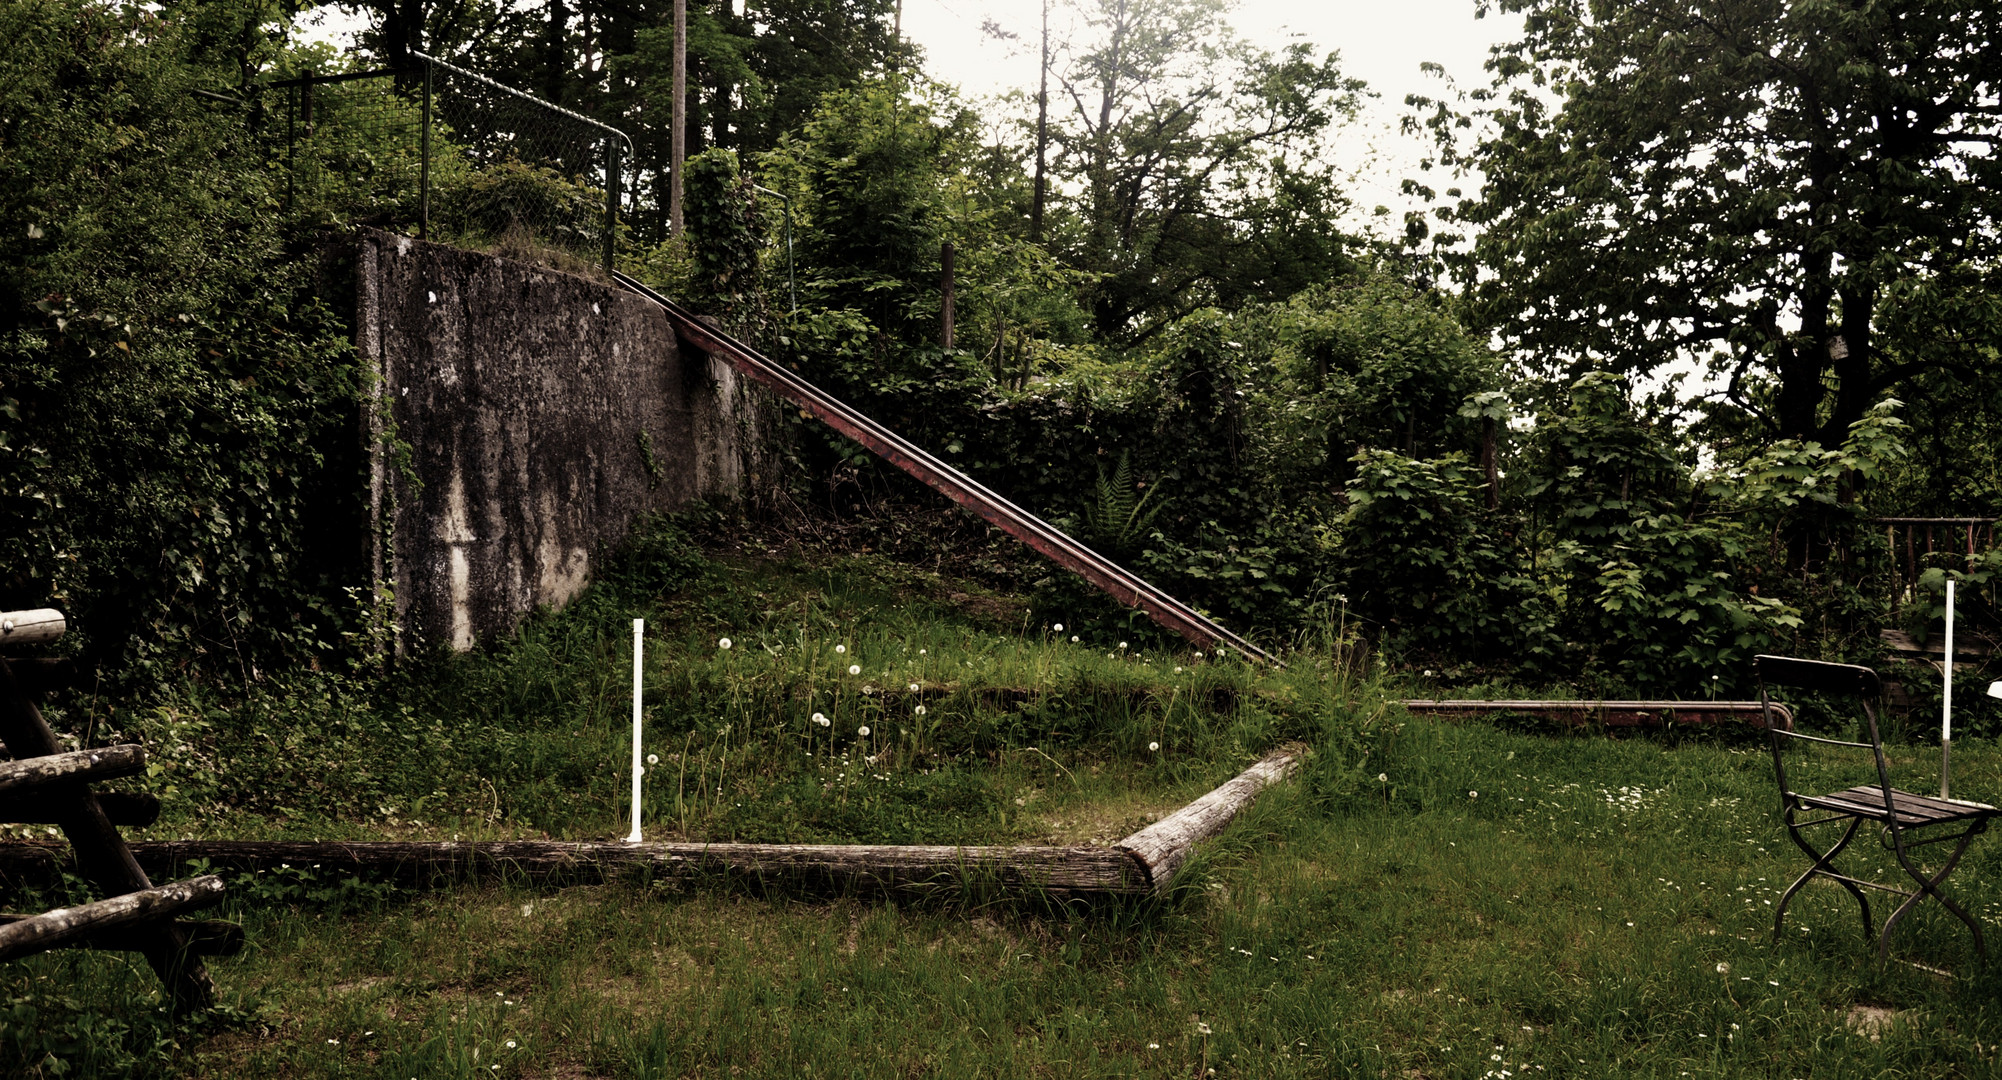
{"x":1852,"y":681}
{"x":1847,"y":680}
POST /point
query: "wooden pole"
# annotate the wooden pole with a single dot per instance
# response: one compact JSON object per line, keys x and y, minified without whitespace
{"x":677,"y":138}
{"x":106,"y":763}
{"x":945,"y":289}
{"x":31,"y":627}
{"x":40,"y":933}
{"x":208,"y":937}
{"x":128,"y":809}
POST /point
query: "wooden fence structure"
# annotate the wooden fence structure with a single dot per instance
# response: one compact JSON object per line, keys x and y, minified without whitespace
{"x":41,"y":784}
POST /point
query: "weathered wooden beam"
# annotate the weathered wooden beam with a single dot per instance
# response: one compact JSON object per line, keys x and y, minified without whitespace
{"x":1610,"y":713}
{"x":38,"y":675}
{"x":1161,"y":848}
{"x":864,"y":866}
{"x":101,"y":853}
{"x":207,"y":937}
{"x":53,"y":929}
{"x":31,"y":627}
{"x":103,"y":763}
{"x":129,"y":809}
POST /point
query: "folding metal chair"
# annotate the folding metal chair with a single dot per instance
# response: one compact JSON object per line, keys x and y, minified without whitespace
{"x":1906,"y":820}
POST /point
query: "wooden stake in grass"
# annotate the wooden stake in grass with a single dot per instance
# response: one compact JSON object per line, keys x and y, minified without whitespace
{"x":639,"y":638}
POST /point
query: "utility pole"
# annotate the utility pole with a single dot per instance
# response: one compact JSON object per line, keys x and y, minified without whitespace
{"x":1042,"y":134}
{"x":677,"y":146}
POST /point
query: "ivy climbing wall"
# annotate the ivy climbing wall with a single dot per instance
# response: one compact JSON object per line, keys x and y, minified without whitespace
{"x":521,"y":420}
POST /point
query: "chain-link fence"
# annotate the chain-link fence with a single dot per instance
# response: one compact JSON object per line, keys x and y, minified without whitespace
{"x":456,"y":156}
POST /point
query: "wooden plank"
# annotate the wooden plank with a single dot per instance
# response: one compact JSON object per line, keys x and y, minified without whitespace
{"x":135,"y":809}
{"x":104,"y":763}
{"x":53,"y":929}
{"x":873,"y":867}
{"x":1607,"y":713}
{"x":208,"y":937}
{"x":1162,"y":848}
{"x":30,"y":627}
{"x":101,"y":853}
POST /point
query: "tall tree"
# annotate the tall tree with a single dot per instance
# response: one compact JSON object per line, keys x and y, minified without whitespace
{"x":1764,"y":181}
{"x":1197,"y":162}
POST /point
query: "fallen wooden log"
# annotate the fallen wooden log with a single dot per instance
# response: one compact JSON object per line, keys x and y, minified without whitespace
{"x":1142,"y":863}
{"x":1610,"y":713}
{"x":38,"y":933}
{"x":208,"y":937}
{"x":1058,"y":869}
{"x":104,"y":763}
{"x":137,"y":809}
{"x":1162,"y":848}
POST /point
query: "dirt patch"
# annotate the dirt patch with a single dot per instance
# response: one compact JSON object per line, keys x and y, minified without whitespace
{"x":1870,"y":1021}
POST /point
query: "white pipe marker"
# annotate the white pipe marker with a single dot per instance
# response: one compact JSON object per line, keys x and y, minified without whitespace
{"x":1946,"y":703}
{"x":639,"y":637}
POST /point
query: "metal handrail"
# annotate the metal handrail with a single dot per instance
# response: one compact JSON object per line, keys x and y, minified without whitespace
{"x":1040,"y":535}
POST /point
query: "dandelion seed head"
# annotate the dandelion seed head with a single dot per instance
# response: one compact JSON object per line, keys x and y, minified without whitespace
{"x":1060,"y":628}
{"x":839,"y":649}
{"x":920,"y":710}
{"x":510,"y":1044}
{"x":1122,"y":645}
{"x":723,"y":643}
{"x":854,"y":669}
{"x":820,"y":718}
{"x":653,"y":759}
{"x":914,"y":688}
{"x":1383,"y":778}
{"x":1153,"y":746}
{"x":1202,"y":1029}
{"x":1073,"y":639}
{"x":1473,"y":794}
{"x":863,"y":731}
{"x":1724,"y":969}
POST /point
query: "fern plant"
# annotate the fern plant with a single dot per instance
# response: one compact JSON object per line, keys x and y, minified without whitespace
{"x":1124,"y":510}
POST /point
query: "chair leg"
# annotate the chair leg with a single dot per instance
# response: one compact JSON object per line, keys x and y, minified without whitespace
{"x":1929,"y":886}
{"x":1825,"y":865}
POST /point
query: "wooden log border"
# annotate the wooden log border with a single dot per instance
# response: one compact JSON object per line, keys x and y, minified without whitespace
{"x":1142,"y":864}
{"x":106,"y":763}
{"x":1610,"y":714}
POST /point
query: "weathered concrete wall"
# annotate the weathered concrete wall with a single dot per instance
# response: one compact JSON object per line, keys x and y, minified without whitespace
{"x":522,"y":420}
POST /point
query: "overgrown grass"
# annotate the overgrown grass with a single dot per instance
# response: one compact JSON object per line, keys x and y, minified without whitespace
{"x":1426,"y":900}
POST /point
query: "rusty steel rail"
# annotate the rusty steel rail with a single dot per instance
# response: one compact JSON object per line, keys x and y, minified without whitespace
{"x":1611,"y":713}
{"x":1115,"y":580}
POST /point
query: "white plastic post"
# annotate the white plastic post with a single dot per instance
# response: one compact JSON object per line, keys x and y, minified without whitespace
{"x":639,"y":638}
{"x":1946,"y":704}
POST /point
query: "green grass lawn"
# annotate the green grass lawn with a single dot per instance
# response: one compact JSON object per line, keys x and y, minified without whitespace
{"x":1425,"y":900}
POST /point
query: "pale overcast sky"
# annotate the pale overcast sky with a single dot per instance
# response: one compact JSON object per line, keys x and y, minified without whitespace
{"x":1380,"y":43}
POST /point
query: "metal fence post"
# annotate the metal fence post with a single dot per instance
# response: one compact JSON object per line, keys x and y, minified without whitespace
{"x":424,"y":163}
{"x":611,"y":204}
